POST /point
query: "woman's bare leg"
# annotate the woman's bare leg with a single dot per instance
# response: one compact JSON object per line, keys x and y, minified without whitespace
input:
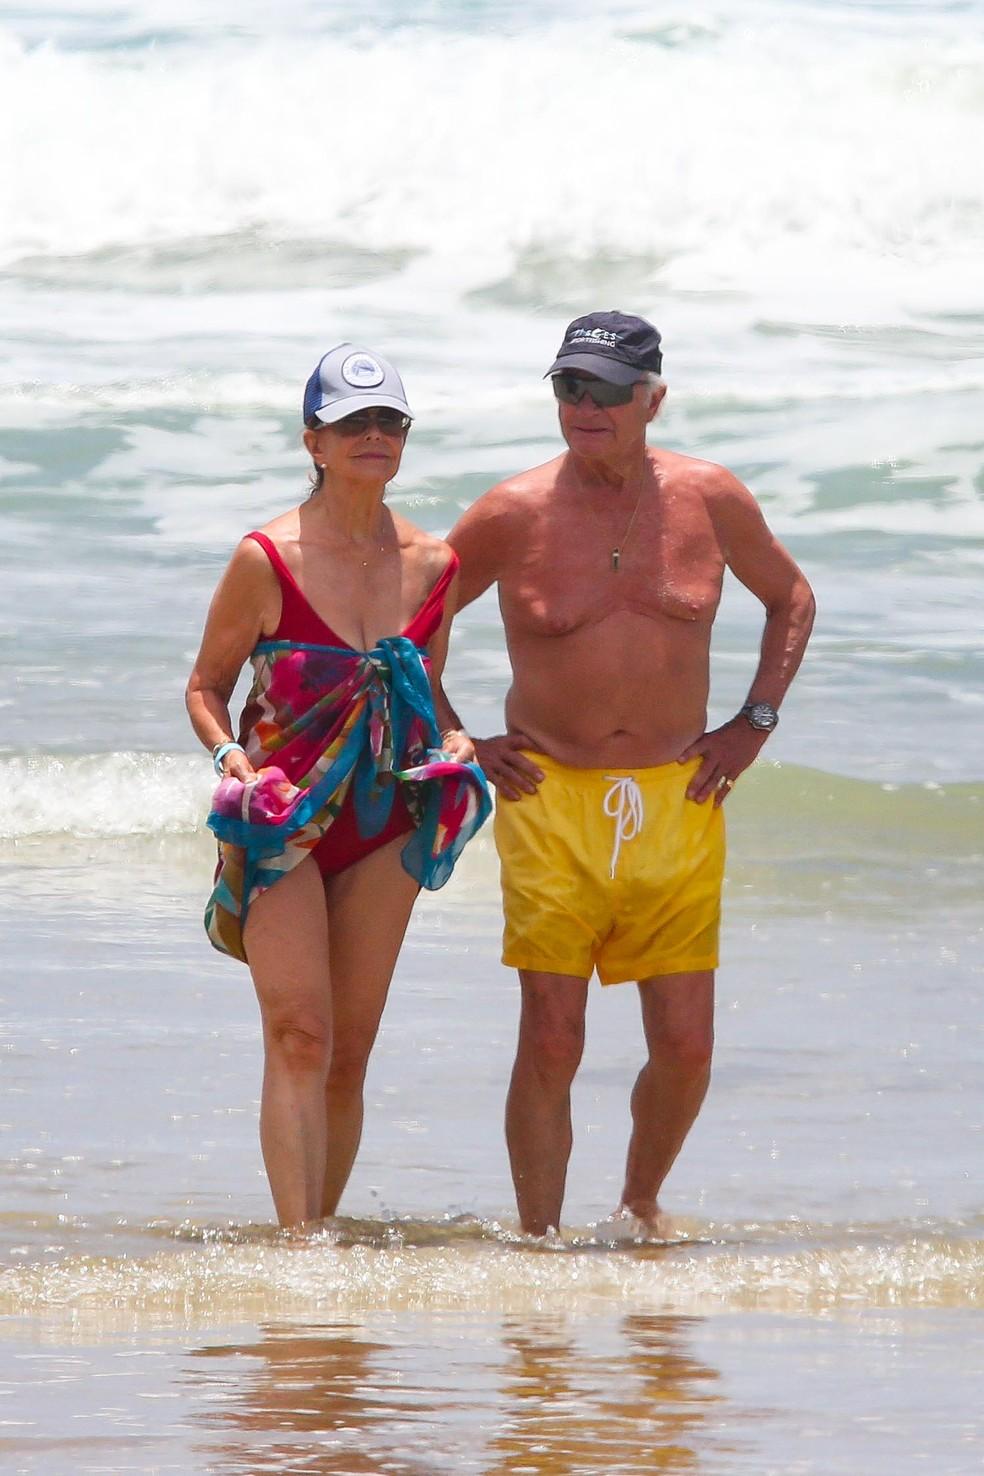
{"x":286,"y":939}
{"x":369,"y":906}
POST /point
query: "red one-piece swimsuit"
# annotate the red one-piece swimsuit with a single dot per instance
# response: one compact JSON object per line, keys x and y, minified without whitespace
{"x":341,"y":845}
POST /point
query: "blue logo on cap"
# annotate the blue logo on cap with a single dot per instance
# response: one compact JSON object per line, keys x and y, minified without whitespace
{"x":362,"y":371}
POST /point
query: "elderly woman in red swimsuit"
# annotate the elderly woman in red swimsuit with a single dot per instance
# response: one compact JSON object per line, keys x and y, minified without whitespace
{"x":338,"y":797}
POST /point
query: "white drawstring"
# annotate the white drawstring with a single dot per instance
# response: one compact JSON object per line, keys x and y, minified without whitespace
{"x":623,"y":803}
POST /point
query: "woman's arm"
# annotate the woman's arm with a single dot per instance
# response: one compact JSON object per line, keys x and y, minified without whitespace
{"x":454,"y":740}
{"x":244,"y":606}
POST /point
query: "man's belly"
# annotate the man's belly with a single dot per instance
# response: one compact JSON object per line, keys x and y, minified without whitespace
{"x":596,"y":713}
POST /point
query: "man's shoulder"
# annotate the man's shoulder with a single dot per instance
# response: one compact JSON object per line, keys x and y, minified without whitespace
{"x":707,"y":479}
{"x":522,"y":486}
{"x":517,"y":494}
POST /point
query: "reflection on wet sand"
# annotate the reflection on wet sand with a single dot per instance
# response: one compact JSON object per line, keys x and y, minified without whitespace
{"x":568,"y":1409}
{"x":554,"y":1397}
{"x":305,"y":1395}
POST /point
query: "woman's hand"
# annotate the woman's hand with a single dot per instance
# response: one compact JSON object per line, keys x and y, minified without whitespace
{"x":235,"y":765}
{"x":457,"y":745}
{"x":508,"y":768}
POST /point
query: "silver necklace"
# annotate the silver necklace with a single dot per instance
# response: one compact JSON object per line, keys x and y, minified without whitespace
{"x":617,"y":550}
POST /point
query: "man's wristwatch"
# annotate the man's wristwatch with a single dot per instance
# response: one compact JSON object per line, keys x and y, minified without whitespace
{"x":761,"y":715}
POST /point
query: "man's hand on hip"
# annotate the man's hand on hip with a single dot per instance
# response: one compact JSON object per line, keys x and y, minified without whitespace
{"x":726,"y":752}
{"x":503,"y":762}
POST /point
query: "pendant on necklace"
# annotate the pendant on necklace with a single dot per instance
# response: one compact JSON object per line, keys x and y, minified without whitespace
{"x":616,"y":556}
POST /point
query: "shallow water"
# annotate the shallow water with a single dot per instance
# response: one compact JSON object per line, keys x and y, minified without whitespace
{"x":817,"y":1305}
{"x":548,"y":1393}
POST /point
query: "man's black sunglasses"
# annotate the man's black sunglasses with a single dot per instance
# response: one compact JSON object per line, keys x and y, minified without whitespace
{"x":570,"y":388}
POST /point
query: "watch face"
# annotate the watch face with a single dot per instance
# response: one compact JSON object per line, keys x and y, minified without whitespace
{"x":762,"y":715}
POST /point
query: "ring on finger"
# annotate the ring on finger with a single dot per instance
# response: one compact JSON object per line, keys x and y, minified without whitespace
{"x":726,"y":783}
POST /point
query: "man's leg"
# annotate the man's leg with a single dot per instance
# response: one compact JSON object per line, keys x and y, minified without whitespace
{"x":538,"y":1108}
{"x":678,"y":1019}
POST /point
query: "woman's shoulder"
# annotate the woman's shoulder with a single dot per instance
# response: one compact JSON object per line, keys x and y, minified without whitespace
{"x":431,"y":553}
{"x":250,"y":581}
{"x":283,"y":529}
{"x":263,"y":552}
{"x":270,"y":543}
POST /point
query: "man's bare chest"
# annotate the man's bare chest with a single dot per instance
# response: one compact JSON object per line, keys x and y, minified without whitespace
{"x":569,"y":577}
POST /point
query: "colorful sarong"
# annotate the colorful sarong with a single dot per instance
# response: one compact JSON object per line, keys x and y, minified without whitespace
{"x":319,"y":722}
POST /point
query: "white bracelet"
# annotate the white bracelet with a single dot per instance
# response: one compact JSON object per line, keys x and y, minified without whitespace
{"x":219,"y":752}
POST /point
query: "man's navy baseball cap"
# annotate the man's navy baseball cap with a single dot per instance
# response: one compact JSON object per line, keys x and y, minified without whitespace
{"x":615,"y":346}
{"x":349,"y":379}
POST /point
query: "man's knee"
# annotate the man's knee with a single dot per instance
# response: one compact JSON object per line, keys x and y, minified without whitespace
{"x":678,"y":1013}
{"x":687,"y":1043}
{"x":551,"y":1041}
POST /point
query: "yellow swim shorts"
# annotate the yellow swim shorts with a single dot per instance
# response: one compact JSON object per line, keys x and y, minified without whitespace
{"x":610,"y":869}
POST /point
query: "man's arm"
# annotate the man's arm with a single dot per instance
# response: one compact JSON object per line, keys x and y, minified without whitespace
{"x":756,"y":557}
{"x":480,"y":538}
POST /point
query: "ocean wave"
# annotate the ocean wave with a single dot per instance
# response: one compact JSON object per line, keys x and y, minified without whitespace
{"x":103,"y":796}
{"x":784,"y":811}
{"x":92,"y":26}
{"x":440,"y":408}
{"x":795,"y":148}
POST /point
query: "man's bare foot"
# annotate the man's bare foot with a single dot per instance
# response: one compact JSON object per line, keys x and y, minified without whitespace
{"x":651,"y":1224}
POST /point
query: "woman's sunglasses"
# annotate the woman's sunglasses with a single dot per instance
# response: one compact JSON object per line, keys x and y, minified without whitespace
{"x":390,"y":422}
{"x":571,"y":389}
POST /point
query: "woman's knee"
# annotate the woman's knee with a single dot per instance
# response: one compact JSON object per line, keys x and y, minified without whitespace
{"x":300,"y":1040}
{"x":349,"y":1061}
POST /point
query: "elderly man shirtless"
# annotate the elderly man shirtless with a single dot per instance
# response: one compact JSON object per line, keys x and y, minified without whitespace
{"x":609,"y":561}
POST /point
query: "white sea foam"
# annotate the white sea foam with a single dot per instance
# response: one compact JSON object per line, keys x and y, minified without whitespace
{"x":439,"y":406}
{"x":105,"y":795}
{"x":768,"y":151}
{"x":235,"y":1282}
